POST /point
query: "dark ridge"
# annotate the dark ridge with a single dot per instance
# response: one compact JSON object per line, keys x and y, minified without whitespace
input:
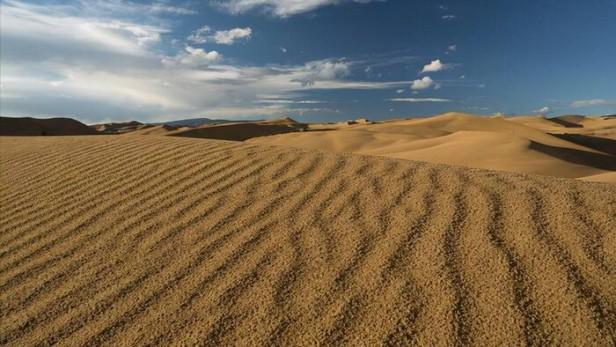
{"x":242,"y":131}
{"x":565,"y":123}
{"x":43,"y":127}
{"x":596,"y":160}
{"x":193,"y":122}
{"x":599,"y":143}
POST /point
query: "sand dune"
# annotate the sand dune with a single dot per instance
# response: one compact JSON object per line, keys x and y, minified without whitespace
{"x":159,"y":130}
{"x":481,"y":142}
{"x":27,"y":126}
{"x":608,"y":177}
{"x":604,"y":127}
{"x":119,"y":128}
{"x":202,"y":242}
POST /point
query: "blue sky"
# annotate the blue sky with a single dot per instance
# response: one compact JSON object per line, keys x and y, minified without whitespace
{"x":315,"y":60}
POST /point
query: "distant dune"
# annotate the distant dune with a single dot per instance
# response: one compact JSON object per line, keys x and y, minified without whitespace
{"x":155,"y":240}
{"x":569,"y":146}
{"x":244,"y":130}
{"x":592,"y":126}
{"x":518,"y":144}
{"x":119,"y":128}
{"x":43,"y":127}
{"x":193,"y":122}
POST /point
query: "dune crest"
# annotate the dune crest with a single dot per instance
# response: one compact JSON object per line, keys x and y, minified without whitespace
{"x":521,"y":145}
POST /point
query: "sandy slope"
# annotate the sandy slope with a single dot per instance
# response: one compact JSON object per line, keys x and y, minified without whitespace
{"x":593,"y":126}
{"x":466,"y":140}
{"x":135,"y":240}
{"x":609,"y":177}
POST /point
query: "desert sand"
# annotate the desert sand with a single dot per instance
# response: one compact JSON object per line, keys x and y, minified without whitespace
{"x":519,"y":144}
{"x":142,"y":240}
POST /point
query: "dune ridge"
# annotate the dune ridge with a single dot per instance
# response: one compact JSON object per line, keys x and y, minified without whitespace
{"x":518,"y":144}
{"x":191,"y":241}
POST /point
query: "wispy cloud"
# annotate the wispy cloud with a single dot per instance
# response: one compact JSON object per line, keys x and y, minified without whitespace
{"x":419,"y":100}
{"x":592,"y":102}
{"x":223,"y":37}
{"x":90,"y":68}
{"x":280,"y":8}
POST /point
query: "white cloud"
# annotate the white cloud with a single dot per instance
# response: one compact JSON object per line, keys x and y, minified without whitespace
{"x":400,"y":91}
{"x":448,"y":17}
{"x":289,"y":102}
{"x":322,"y":70}
{"x":284,"y":50}
{"x":422,"y":84}
{"x":419,"y":100}
{"x":453,"y":48}
{"x":200,"y":36}
{"x":435,"y":66}
{"x":161,"y":7}
{"x":543,"y":110}
{"x":72,"y":35}
{"x":591,"y":102}
{"x":228,"y":37}
{"x":130,"y":7}
{"x":223,"y":37}
{"x":193,"y":57}
{"x":280,"y":8}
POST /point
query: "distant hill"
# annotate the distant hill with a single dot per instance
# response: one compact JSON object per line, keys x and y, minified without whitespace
{"x":28,"y":126}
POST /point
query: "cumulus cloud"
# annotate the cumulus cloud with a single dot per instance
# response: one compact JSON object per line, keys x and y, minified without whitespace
{"x":543,"y":110}
{"x":435,"y":66}
{"x":194,"y":57}
{"x":223,"y":37}
{"x":228,"y":37}
{"x":422,"y":84}
{"x":419,"y":100}
{"x":322,"y":70}
{"x":592,"y":102}
{"x":200,"y":36}
{"x":452,"y":48}
{"x":280,"y":8}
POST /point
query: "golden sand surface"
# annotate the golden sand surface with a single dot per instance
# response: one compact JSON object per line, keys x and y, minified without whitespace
{"x":155,"y":240}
